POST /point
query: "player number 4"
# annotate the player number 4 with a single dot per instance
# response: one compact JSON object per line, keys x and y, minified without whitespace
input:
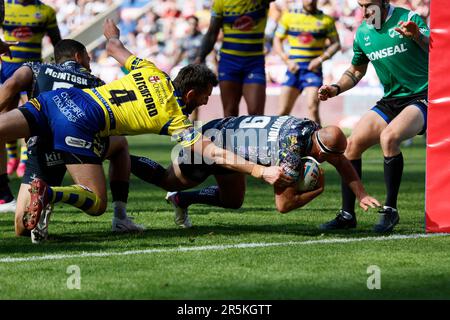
{"x":121,"y":96}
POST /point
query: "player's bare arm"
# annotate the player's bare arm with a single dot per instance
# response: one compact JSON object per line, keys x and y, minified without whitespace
{"x":21,"y":80}
{"x":331,"y":50}
{"x":290,"y":198}
{"x":5,"y":47}
{"x":348,"y":80}
{"x":115,"y":47}
{"x":210,"y":38}
{"x":350,"y":177}
{"x":278,"y":48}
{"x":273,"y":175}
{"x":411,"y":30}
{"x":55,"y":35}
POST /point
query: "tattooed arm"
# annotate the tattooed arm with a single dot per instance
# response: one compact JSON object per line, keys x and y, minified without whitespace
{"x":349,"y":79}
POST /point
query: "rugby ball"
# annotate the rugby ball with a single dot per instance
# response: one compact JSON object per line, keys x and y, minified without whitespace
{"x":311,"y":173}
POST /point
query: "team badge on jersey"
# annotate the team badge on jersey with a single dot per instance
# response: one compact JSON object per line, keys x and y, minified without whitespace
{"x":306,"y":37}
{"x":244,"y":23}
{"x":154,"y":79}
{"x":22,"y":33}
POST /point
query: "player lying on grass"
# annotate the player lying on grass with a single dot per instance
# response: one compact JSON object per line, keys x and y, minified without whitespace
{"x":70,"y":70}
{"x":265,"y":140}
{"x":144,"y":101}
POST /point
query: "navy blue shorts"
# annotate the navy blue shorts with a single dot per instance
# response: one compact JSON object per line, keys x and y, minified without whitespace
{"x":8,"y":69}
{"x":242,"y":69}
{"x":303,"y":78}
{"x":389,"y":108}
{"x":71,"y":116}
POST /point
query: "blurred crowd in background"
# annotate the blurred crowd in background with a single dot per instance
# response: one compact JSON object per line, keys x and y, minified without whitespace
{"x":158,"y":32}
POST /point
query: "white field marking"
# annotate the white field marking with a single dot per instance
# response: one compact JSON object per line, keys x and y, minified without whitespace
{"x":219,"y":247}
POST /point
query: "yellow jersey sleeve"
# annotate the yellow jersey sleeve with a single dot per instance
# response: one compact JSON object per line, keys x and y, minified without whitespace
{"x":331,"y":28}
{"x":217,"y":9}
{"x":183,"y":132}
{"x":134,"y":63}
{"x":51,"y":18}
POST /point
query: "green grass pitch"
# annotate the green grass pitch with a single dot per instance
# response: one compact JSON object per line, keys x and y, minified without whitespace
{"x":292,"y":259}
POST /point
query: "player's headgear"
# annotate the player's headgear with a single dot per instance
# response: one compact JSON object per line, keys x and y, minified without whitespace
{"x":324,"y":148}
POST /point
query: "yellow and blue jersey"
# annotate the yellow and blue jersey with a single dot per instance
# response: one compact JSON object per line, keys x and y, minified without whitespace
{"x":144,"y":101}
{"x":243,"y":24}
{"x":27,"y":24}
{"x":306,"y":33}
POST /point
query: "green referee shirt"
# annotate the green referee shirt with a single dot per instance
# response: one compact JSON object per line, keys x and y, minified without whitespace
{"x":400,"y":63}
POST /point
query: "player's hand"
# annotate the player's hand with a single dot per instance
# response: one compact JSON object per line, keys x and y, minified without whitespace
{"x":110,"y":30}
{"x":408,"y":29}
{"x":292,"y":66}
{"x":5,"y":47}
{"x":368,"y":201}
{"x":275,"y":176}
{"x":314,"y":64}
{"x":326,"y":92}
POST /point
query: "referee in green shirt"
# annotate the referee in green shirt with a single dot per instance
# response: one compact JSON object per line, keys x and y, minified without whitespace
{"x":395,"y":41}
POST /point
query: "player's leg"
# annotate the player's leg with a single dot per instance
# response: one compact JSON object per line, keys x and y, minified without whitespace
{"x":170,"y":179}
{"x":255,"y":97}
{"x":87,"y":194}
{"x":410,"y":122}
{"x":254,"y":87}
{"x":23,"y":157}
{"x":23,"y":199}
{"x":119,"y":183}
{"x":288,"y":96}
{"x":12,"y":150}
{"x":310,"y":82}
{"x":228,"y":193}
{"x":290,"y":91}
{"x":230,"y":84}
{"x":365,"y":134}
{"x":20,"y":171}
{"x":13,"y":125}
{"x":44,"y":163}
{"x":230,"y":94}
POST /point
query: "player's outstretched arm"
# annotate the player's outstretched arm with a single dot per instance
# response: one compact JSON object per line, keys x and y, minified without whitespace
{"x":350,"y":177}
{"x":20,"y":81}
{"x":114,"y":46}
{"x":349,"y":79}
{"x":290,"y":198}
{"x":273,"y":175}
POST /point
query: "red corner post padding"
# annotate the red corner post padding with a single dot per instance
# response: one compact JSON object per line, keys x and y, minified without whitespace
{"x":437,"y":191}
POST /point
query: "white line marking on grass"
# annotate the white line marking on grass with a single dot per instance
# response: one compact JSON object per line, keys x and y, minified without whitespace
{"x":219,"y":247}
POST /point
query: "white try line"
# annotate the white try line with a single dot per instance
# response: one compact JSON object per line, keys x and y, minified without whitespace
{"x":219,"y":247}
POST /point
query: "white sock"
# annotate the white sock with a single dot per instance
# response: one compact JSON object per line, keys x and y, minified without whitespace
{"x":120,"y":209}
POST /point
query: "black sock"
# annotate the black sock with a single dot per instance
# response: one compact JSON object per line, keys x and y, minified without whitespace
{"x":147,"y":169}
{"x":209,"y":195}
{"x":393,"y":171}
{"x":348,"y":197}
{"x":119,"y":190}
{"x":5,"y":192}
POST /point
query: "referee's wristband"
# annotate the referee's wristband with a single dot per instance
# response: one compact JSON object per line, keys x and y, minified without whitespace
{"x":338,"y":87}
